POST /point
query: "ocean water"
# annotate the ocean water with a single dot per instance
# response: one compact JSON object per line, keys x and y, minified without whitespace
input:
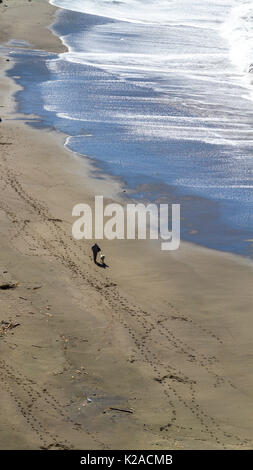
{"x":158,"y":93}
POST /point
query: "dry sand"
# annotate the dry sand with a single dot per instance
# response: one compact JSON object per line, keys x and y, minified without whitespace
{"x":167,"y":337}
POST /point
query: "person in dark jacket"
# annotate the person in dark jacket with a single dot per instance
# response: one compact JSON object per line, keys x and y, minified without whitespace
{"x":95,"y":249}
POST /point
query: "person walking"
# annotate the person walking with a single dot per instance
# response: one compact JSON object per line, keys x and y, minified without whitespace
{"x":95,"y":249}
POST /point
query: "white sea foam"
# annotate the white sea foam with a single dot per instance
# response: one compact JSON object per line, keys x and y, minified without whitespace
{"x":238,"y":31}
{"x":181,"y":12}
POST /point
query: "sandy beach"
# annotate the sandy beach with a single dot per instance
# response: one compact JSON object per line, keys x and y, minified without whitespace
{"x":154,"y":352}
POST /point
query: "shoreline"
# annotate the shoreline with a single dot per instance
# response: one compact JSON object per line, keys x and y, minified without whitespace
{"x":135,"y":336}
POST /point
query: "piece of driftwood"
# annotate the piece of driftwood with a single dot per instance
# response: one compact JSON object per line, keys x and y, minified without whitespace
{"x":121,"y":410}
{"x":51,"y":219}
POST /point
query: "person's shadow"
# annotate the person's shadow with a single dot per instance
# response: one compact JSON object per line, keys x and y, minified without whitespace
{"x":101,"y":265}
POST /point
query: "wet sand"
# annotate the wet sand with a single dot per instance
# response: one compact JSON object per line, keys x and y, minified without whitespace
{"x":154,"y":352}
